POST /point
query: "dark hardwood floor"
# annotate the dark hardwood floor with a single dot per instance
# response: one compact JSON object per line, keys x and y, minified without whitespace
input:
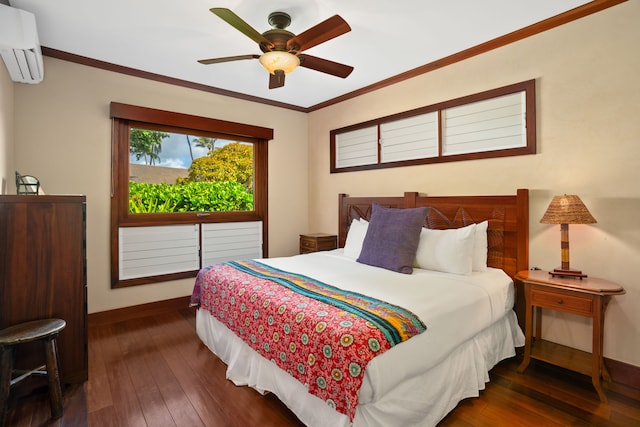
{"x":153,"y":371}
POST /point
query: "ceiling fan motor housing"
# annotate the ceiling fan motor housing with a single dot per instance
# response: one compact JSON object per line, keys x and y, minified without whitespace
{"x":278,"y":35}
{"x":279,"y":39}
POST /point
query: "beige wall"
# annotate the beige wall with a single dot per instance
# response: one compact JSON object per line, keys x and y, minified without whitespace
{"x":588,"y":103}
{"x":7,"y":177}
{"x":63,"y":136}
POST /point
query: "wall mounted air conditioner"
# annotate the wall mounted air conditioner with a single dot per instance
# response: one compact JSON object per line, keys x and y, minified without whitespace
{"x":19,"y":45}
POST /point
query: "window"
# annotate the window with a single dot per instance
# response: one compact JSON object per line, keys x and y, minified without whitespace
{"x":415,"y":137}
{"x":187,"y":191}
{"x":500,"y":122}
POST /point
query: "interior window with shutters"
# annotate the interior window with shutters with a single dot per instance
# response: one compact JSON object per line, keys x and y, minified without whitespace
{"x":187,"y":191}
{"x":496,"y":123}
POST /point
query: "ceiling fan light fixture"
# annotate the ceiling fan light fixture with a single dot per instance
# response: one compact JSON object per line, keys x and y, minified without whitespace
{"x":278,"y":60}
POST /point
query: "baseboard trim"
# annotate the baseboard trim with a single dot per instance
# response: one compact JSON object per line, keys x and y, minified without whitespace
{"x":136,"y":311}
{"x":623,"y":373}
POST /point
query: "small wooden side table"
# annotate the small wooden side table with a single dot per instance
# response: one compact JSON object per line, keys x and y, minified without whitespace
{"x":588,"y":297}
{"x":314,"y":242}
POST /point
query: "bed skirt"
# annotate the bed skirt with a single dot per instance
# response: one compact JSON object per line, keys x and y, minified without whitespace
{"x":420,"y":401}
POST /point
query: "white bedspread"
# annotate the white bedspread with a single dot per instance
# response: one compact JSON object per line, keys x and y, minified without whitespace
{"x":470,"y":327}
{"x":453,"y":307}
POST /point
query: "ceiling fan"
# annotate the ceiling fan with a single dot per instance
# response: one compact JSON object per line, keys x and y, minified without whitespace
{"x":282,"y":49}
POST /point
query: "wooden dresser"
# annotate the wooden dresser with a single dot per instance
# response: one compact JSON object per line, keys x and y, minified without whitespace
{"x":43,"y":274}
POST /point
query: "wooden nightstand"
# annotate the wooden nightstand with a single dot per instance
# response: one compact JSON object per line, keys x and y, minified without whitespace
{"x":588,"y":297}
{"x":315,"y":242}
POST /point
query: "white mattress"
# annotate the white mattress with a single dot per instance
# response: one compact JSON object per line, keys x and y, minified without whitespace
{"x":470,"y":327}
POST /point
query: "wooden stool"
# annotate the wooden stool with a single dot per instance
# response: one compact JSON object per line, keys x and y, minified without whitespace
{"x":45,"y":330}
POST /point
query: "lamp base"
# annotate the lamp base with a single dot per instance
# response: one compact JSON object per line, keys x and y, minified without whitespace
{"x":559,"y":272}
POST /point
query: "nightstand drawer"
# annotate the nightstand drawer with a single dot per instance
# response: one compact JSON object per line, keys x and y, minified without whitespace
{"x":575,"y":304}
{"x":309,"y":245}
{"x":317,"y":242}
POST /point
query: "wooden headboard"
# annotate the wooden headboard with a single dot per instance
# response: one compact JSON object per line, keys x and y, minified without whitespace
{"x":508,"y":216}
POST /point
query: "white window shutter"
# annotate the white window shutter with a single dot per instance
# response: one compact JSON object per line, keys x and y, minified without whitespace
{"x":415,"y":137}
{"x":493,"y":124}
{"x":152,"y":251}
{"x":357,"y":147}
{"x":231,"y":241}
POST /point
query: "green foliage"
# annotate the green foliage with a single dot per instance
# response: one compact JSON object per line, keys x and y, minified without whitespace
{"x":233,"y":162}
{"x":189,"y":197}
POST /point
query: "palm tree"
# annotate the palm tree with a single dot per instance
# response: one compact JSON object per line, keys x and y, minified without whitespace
{"x":189,"y":145}
{"x":206,"y":142}
{"x":147,"y":144}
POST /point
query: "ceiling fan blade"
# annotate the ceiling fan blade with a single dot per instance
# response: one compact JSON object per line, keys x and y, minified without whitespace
{"x":276,"y":80}
{"x":325,"y":66}
{"x":227,"y":59}
{"x":320,"y":33}
{"x":236,"y":22}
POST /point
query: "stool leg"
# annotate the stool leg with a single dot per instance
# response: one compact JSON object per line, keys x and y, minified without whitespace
{"x":55,"y":392}
{"x":6,"y":366}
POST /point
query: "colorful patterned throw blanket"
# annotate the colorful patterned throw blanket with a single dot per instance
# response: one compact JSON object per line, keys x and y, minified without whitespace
{"x":321,"y":335}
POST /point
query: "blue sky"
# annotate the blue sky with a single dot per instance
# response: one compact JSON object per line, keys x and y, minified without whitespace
{"x":175,"y":151}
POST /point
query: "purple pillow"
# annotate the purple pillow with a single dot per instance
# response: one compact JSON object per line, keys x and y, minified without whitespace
{"x":392,"y":238}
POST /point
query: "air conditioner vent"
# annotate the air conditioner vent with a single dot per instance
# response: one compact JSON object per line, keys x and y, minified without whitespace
{"x":19,"y":45}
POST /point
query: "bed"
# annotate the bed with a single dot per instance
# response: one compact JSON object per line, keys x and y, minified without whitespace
{"x":297,"y":326}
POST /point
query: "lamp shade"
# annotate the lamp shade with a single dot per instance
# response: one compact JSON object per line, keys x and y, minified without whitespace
{"x":567,"y":209}
{"x":278,"y":60}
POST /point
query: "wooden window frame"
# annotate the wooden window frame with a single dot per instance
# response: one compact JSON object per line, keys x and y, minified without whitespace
{"x":528,"y":87}
{"x":126,"y":116}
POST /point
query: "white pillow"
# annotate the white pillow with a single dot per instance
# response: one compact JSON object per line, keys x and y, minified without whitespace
{"x":480,"y":247}
{"x":355,"y":237}
{"x":449,"y":251}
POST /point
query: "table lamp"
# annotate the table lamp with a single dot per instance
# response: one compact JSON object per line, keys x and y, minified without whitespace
{"x":565,"y":210}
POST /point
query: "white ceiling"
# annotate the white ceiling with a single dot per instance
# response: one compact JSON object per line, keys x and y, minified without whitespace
{"x":387,"y":38}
